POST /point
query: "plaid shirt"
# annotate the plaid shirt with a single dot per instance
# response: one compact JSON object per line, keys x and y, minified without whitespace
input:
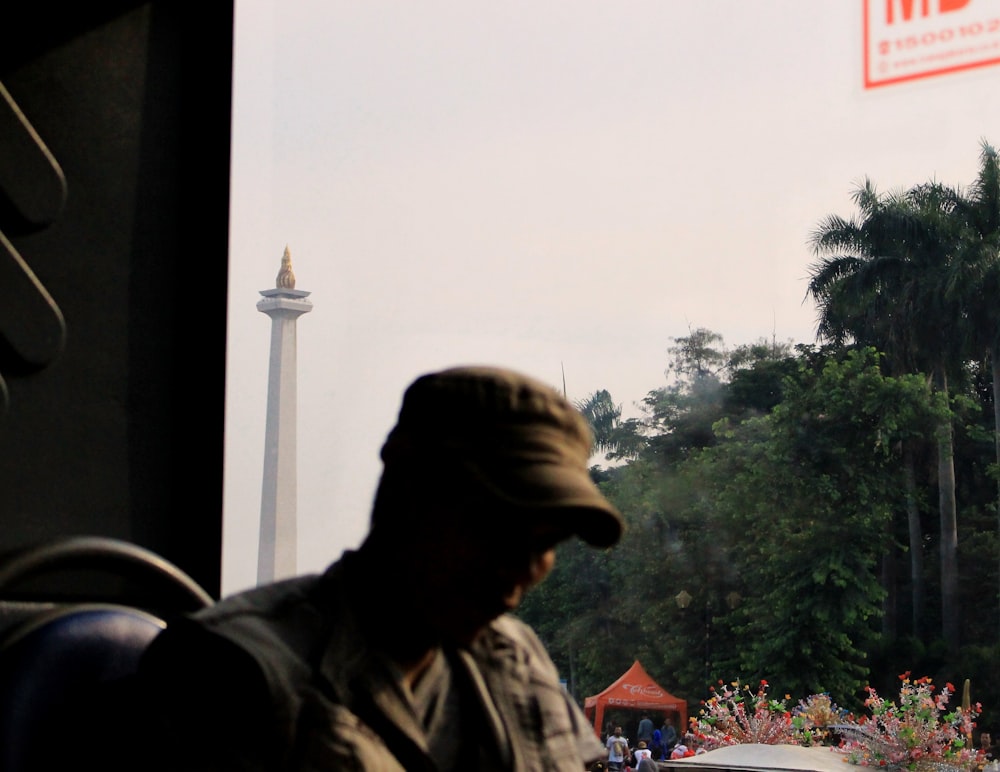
{"x":284,"y":677}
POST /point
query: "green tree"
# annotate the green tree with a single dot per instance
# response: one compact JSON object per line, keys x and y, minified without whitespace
{"x":707,"y":381}
{"x":757,"y":375}
{"x":975,"y":277}
{"x":698,"y":358}
{"x":679,"y":415}
{"x":614,"y":437}
{"x":880,"y":281}
{"x":809,"y":490}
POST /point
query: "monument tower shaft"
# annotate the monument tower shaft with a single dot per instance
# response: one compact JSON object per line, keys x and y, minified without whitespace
{"x":278,"y":545}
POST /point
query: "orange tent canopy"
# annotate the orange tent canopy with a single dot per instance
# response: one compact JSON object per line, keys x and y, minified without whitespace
{"x":635,"y":690}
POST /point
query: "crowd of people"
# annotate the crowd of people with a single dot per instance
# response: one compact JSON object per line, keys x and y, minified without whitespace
{"x":651,"y":745}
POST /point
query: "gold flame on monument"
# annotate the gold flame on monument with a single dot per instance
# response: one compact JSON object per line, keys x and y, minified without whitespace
{"x":286,"y":279}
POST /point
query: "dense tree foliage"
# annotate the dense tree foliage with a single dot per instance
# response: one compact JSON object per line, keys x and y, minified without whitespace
{"x":882,"y":282}
{"x":783,"y":502}
{"x":812,"y":489}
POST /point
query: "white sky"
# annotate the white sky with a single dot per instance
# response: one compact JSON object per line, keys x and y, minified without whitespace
{"x":542,"y":184}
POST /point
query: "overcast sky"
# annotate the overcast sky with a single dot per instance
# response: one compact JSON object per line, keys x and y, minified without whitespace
{"x":555,"y":186}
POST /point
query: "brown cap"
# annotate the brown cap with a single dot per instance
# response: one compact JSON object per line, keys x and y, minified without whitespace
{"x":526,"y":443}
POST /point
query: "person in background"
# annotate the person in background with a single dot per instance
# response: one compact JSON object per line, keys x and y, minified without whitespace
{"x":990,"y":751}
{"x":681,"y":751}
{"x":686,"y":747}
{"x":484,"y":473}
{"x":618,"y":750}
{"x":669,"y":735}
{"x":644,"y":732}
{"x":641,"y":752}
{"x":657,"y":751}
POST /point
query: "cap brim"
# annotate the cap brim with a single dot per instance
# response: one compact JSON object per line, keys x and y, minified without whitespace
{"x":560,"y":493}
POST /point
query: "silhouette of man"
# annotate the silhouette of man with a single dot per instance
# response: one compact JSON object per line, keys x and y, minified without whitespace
{"x":402,"y":655}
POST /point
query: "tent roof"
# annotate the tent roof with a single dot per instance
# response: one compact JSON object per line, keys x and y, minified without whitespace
{"x":635,"y":689}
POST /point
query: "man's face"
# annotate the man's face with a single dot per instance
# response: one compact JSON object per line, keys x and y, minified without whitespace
{"x":482,"y":564}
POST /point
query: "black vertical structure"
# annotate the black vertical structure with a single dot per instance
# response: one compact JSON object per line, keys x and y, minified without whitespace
{"x":114,"y":217}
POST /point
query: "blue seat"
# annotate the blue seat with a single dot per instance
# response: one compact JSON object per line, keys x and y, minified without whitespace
{"x":52,"y":670}
{"x":65,"y":663}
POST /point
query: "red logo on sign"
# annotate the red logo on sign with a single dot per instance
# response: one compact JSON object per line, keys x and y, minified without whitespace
{"x":907,"y":7}
{"x":911,"y":39}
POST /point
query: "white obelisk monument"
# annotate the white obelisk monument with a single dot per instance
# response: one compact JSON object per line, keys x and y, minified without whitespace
{"x":276,"y":552}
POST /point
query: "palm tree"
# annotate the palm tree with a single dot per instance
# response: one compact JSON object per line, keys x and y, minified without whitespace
{"x":975,"y":277}
{"x":879,"y":281}
{"x":615,"y":438}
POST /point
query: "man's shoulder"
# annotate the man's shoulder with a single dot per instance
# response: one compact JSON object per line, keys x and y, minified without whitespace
{"x":280,"y":614}
{"x":236,"y":631}
{"x":518,"y":633}
{"x":278,"y":626}
{"x":281,"y":611}
{"x":266,"y":600}
{"x":513,"y":661}
{"x":509,"y":641}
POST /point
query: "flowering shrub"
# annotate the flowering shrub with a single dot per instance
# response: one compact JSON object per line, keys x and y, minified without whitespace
{"x":816,"y":718}
{"x":916,"y":734}
{"x":735,"y":714}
